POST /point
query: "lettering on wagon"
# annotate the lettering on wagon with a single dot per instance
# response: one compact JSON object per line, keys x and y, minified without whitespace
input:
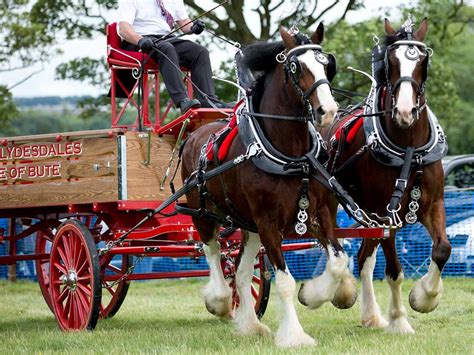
{"x":30,"y":170}
{"x":40,"y":151}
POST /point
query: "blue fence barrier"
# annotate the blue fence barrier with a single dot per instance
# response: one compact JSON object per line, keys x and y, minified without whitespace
{"x":413,"y":248}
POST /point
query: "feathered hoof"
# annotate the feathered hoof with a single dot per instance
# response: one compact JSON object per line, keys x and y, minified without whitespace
{"x":422,"y":302}
{"x":346,"y":294}
{"x":301,"y":297}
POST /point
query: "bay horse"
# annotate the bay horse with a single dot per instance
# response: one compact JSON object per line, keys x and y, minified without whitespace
{"x":393,"y":168}
{"x":294,"y":82}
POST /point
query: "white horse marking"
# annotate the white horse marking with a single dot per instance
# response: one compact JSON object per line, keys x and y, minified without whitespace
{"x":371,"y":316}
{"x":427,"y":291}
{"x":326,"y":99}
{"x":290,"y":332}
{"x":217,"y":293}
{"x":322,"y":288}
{"x":245,"y":318}
{"x":397,"y":314}
{"x":405,"y":103}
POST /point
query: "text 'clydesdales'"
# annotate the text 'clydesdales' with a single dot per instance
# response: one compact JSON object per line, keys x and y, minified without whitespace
{"x":27,"y":154}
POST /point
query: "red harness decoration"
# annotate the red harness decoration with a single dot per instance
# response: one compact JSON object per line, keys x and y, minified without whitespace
{"x":230,"y":131}
{"x":351,"y":122}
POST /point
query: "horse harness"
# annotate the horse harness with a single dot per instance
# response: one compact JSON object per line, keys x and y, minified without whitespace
{"x":384,"y":151}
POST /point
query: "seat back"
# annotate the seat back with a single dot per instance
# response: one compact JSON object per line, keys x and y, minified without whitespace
{"x":113,"y":39}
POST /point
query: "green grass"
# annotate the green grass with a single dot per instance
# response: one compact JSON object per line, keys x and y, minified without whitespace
{"x":170,"y":317}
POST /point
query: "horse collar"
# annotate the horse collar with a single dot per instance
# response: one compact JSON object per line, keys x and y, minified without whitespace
{"x":270,"y":159}
{"x":388,"y":153}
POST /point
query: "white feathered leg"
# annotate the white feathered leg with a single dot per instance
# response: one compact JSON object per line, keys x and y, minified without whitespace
{"x":371,"y":316}
{"x":217,"y":293}
{"x":290,"y":332}
{"x":397,"y":313}
{"x":245,"y":318}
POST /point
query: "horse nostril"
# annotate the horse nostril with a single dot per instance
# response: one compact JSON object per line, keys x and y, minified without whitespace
{"x":414,"y":112}
{"x":320,"y":111}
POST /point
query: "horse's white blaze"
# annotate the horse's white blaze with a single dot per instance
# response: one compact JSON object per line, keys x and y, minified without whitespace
{"x":427,"y":291}
{"x":322,"y":288}
{"x":245,"y":319}
{"x":397,"y":314}
{"x":325,"y":97}
{"x":290,"y":332}
{"x":405,"y":103}
{"x":370,"y":310}
{"x":217,"y":293}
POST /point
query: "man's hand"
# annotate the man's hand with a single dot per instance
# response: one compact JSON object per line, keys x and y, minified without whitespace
{"x":197,"y":27}
{"x":145,"y":44}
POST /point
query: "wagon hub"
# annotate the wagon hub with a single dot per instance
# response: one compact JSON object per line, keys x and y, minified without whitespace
{"x":70,"y":280}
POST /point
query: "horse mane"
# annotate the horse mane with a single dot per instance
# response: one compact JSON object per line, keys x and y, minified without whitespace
{"x":260,"y":56}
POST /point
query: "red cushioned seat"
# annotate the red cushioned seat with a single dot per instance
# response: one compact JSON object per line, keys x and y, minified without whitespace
{"x":116,"y":58}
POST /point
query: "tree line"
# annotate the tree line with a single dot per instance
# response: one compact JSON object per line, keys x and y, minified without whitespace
{"x":30,"y":32}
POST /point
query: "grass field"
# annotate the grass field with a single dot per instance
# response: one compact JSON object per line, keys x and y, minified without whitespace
{"x":169,"y":317}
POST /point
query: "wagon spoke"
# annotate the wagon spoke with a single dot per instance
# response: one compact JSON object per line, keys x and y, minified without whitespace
{"x":63,"y":257}
{"x":254,"y":291}
{"x":83,"y":303}
{"x":67,"y":249}
{"x":81,"y":268}
{"x":256,"y":279}
{"x":64,"y":294}
{"x":85,"y":289}
{"x":80,"y":256}
{"x":60,"y":268}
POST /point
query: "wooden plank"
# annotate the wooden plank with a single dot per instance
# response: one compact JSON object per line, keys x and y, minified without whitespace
{"x":86,"y":190}
{"x":143,"y":181}
{"x":45,"y":172}
{"x":105,"y":133}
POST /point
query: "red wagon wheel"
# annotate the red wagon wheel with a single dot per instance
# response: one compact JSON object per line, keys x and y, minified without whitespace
{"x":115,"y":292}
{"x":261,"y":280}
{"x":75,"y":277}
{"x":44,"y":242}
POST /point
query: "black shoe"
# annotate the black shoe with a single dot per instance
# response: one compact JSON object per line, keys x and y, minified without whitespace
{"x":187,"y":103}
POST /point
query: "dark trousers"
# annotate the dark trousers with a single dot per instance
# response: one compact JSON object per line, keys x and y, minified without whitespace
{"x":181,"y":52}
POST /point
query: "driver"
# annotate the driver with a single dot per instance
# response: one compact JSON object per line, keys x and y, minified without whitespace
{"x":142,"y":22}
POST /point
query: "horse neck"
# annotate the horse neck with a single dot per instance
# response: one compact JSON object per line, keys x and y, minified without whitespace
{"x":416,"y":135}
{"x":289,"y":137}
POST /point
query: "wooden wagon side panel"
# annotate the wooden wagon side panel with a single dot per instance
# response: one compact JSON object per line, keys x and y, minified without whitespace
{"x":145,"y":171}
{"x":40,"y":171}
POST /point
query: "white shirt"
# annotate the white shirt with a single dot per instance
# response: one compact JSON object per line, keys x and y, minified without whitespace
{"x":145,"y":15}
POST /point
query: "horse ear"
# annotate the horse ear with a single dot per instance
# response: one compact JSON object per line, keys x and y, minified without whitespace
{"x":388,"y":28}
{"x":421,"y":32}
{"x":288,"y":39}
{"x":318,"y":35}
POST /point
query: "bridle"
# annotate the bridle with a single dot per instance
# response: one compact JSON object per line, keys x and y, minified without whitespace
{"x":293,"y":70}
{"x":415,"y":50}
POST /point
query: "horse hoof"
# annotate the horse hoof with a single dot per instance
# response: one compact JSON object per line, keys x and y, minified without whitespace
{"x":421,"y":302}
{"x":375,"y":322}
{"x":220,"y":307}
{"x":300,"y":296}
{"x":346,"y":294}
{"x":301,"y":339}
{"x":399,"y":326}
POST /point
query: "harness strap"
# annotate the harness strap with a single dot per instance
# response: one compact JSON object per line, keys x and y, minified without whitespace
{"x":313,"y":87}
{"x":351,"y":160}
{"x":278,"y":117}
{"x":401,"y":182}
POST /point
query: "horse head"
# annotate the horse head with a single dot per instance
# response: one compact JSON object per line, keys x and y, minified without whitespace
{"x":406,"y":68}
{"x":310,"y":71}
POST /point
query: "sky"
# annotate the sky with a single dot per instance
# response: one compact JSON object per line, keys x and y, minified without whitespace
{"x":44,"y":83}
